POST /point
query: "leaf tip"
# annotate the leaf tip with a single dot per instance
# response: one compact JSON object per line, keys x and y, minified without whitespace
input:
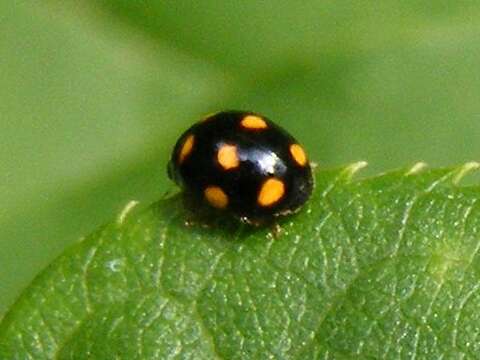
{"x":352,"y":169}
{"x":126,"y":210}
{"x":416,"y":168}
{"x":463,"y":170}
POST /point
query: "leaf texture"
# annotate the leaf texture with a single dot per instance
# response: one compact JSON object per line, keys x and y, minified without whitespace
{"x":383,"y":267}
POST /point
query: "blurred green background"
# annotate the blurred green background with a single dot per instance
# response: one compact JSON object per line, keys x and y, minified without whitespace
{"x":93,"y":95}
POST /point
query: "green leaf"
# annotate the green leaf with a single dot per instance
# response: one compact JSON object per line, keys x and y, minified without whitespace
{"x":94,"y":93}
{"x":380,"y":267}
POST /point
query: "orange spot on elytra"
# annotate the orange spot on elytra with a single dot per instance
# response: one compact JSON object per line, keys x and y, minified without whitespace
{"x":271,"y":191}
{"x":298,"y":154}
{"x":227,"y":157}
{"x":186,"y":148}
{"x":253,"y":122}
{"x":216,"y":197}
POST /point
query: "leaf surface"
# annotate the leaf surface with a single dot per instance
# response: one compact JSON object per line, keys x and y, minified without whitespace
{"x":379,"y":267}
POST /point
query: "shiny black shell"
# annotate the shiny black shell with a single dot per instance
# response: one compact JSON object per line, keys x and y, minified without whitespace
{"x":262,"y":153}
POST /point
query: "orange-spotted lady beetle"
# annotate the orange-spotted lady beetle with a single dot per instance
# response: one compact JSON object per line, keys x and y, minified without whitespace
{"x":243,"y":163}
